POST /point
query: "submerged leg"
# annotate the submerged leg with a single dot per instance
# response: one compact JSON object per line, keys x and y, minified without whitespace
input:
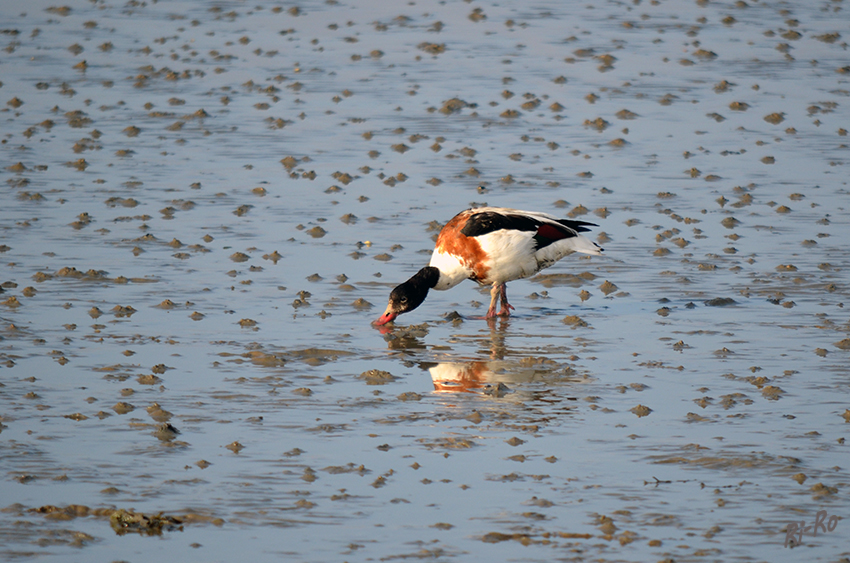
{"x":494,"y":297}
{"x":506,"y":307}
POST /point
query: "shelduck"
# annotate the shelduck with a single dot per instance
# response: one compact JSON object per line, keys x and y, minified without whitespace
{"x":491,"y":246}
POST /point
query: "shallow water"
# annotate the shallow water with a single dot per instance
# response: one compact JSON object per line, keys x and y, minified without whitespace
{"x":256,"y":178}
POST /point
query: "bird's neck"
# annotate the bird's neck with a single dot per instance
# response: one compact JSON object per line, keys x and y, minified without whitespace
{"x":427,"y":277}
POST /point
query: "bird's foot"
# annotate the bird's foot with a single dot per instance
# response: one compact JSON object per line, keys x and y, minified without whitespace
{"x":506,"y":310}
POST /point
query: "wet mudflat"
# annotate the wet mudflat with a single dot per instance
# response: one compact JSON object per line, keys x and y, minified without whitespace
{"x":205,"y":204}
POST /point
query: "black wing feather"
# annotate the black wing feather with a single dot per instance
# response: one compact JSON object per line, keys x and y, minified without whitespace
{"x":489,"y":221}
{"x":577,"y":226}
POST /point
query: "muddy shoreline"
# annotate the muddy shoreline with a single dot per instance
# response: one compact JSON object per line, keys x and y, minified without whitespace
{"x":206,"y":203}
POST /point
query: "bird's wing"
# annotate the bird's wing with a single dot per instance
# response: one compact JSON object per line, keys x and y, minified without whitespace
{"x":547,"y":229}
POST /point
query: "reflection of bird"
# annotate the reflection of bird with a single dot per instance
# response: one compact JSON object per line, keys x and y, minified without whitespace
{"x":492,"y":246}
{"x":499,"y":378}
{"x":465,"y":377}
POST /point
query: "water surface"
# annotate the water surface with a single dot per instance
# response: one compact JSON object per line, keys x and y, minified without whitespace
{"x":207,"y":203}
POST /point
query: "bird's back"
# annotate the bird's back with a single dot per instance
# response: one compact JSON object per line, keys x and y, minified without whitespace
{"x":499,"y":244}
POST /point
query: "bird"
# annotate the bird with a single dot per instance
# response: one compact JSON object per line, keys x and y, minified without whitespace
{"x":491,"y":246}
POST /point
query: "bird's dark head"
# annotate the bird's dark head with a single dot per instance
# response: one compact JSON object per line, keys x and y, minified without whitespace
{"x":409,"y":295}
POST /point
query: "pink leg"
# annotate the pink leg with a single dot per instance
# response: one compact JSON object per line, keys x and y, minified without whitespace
{"x":506,"y":307}
{"x":494,"y":297}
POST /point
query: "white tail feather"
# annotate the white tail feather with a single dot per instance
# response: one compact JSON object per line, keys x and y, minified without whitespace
{"x":582,"y":244}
